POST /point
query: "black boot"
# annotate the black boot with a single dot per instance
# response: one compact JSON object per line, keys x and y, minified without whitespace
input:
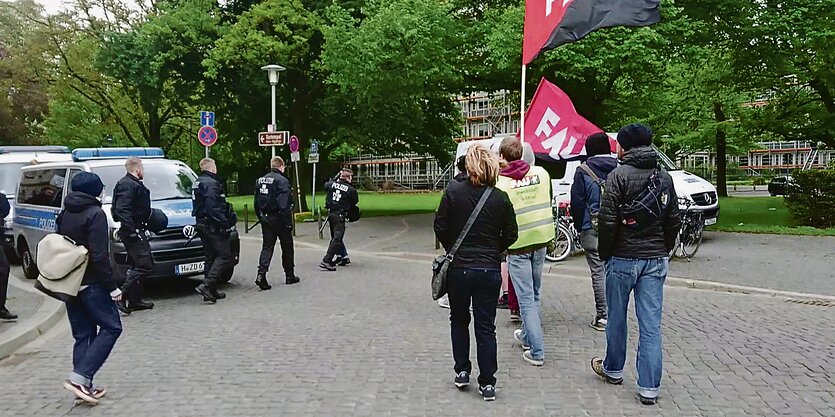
{"x":207,"y":293}
{"x":218,"y":295}
{"x":122,"y":306}
{"x":261,"y":282}
{"x":140,"y":305}
{"x":5,"y":314}
{"x":291,"y":279}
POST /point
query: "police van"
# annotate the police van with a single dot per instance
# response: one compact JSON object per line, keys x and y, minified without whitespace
{"x":176,"y":250}
{"x":12,"y":159}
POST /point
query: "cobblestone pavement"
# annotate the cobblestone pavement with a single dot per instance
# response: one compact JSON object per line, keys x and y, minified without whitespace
{"x":368,"y":341}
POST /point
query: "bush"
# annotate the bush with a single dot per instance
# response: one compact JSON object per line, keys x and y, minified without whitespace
{"x":811,"y":199}
{"x":759,"y":181}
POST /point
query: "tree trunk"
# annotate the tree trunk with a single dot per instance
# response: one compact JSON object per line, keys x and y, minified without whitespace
{"x":721,"y":152}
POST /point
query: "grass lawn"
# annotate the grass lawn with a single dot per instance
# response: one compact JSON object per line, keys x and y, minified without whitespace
{"x":761,"y":215}
{"x":372,"y":204}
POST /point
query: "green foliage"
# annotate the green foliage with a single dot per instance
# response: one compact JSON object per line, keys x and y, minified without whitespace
{"x":811,"y":200}
{"x":761,"y":215}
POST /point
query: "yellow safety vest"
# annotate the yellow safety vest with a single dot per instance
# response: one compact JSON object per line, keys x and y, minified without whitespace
{"x":531,"y":198}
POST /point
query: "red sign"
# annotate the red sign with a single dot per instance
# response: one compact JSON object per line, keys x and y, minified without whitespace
{"x":553,"y":127}
{"x":541,"y":18}
{"x":207,"y":136}
{"x":294,"y":144}
{"x":273,"y":138}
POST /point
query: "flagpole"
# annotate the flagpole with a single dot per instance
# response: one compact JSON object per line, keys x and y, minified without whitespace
{"x":522,"y":106}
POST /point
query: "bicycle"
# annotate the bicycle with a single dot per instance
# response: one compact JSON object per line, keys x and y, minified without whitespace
{"x":689,"y":236}
{"x":567,"y":238}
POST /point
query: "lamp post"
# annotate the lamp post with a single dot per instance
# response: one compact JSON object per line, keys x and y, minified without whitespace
{"x":272,"y":72}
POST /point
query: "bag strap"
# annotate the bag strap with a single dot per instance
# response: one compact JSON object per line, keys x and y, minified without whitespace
{"x":470,"y":222}
{"x":587,"y":169}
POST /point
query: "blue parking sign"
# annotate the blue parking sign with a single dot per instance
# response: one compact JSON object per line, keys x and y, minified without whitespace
{"x":207,"y":118}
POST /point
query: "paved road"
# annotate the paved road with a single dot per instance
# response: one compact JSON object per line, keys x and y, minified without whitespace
{"x":368,"y":341}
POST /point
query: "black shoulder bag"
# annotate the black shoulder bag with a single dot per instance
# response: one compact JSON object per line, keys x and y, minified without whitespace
{"x":440,"y":266}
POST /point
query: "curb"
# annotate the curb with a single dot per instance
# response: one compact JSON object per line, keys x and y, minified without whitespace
{"x":48,"y":315}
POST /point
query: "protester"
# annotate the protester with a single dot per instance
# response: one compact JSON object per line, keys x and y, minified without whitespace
{"x":585,"y":206}
{"x":215,"y":223}
{"x":461,"y":176}
{"x":529,"y":189}
{"x":94,"y":319}
{"x":132,"y":208}
{"x":474,"y":273}
{"x":342,"y":197}
{"x":274,"y":208}
{"x":5,"y":268}
{"x":635,"y":240}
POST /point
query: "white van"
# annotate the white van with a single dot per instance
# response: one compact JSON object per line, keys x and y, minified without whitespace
{"x":12,"y":159}
{"x":687,"y":185}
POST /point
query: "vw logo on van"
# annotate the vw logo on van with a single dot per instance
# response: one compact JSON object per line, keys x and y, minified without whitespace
{"x":708,"y":199}
{"x":189,"y":232}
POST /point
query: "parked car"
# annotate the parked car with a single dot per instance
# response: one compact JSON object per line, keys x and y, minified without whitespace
{"x":780,"y":185}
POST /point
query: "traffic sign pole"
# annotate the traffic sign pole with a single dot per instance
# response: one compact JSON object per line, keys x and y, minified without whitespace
{"x":313,"y":209}
{"x":273,"y":99}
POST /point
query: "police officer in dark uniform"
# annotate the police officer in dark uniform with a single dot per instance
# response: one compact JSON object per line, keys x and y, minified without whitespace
{"x":215,"y":223}
{"x":5,"y":268}
{"x":342,"y":198}
{"x":274,"y":208}
{"x":132,"y":208}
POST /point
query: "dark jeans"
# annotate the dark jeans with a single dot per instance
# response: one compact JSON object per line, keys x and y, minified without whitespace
{"x":337,"y":223}
{"x":219,"y":259}
{"x":5,"y":268}
{"x":482,"y":287}
{"x":95,"y":326}
{"x":276,"y":228}
{"x":141,"y":266}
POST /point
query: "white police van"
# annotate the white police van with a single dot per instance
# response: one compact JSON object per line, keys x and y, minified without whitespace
{"x":12,"y":159}
{"x":176,"y":251}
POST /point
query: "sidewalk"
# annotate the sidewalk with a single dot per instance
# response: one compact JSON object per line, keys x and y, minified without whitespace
{"x":36,"y":313}
{"x":22,"y":303}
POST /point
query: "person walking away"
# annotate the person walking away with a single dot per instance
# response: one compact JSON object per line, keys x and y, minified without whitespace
{"x":94,"y":319}
{"x":461,"y":176}
{"x":638,"y":223}
{"x":529,"y":189}
{"x":132,"y":209}
{"x":274,"y":208}
{"x":215,"y":223}
{"x":5,"y":267}
{"x":474,"y":274}
{"x":585,"y":206}
{"x":341,"y":198}
{"x":342,"y":258}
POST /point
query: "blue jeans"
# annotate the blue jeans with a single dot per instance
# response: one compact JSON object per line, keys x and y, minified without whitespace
{"x":646,"y":277}
{"x":526,"y":273}
{"x":95,"y":325}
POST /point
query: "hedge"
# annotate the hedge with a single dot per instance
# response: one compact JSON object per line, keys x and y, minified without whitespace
{"x":811,"y":199}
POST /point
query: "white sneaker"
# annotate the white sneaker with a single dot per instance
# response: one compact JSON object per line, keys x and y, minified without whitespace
{"x":443,"y":302}
{"x":517,"y":334}
{"x":529,"y":359}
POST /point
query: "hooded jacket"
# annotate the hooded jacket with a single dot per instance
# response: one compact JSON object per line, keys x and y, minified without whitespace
{"x":518,"y":170}
{"x":624,"y":184}
{"x":585,"y":193}
{"x":84,"y":221}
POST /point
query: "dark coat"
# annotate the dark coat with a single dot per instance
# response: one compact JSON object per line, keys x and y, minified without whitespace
{"x":342,"y":196}
{"x":84,"y":221}
{"x":273,"y":195}
{"x":492,"y":233}
{"x":624,"y":185}
{"x":131,"y":204}
{"x":5,"y":209}
{"x":209,"y":201}
{"x":585,"y":193}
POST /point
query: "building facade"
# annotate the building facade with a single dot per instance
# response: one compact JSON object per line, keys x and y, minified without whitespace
{"x":779,"y":157}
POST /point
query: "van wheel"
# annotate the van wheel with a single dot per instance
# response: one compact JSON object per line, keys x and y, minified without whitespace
{"x":30,"y":269}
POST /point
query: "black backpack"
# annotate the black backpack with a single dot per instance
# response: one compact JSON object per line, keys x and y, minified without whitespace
{"x":600,"y":184}
{"x":649,"y":206}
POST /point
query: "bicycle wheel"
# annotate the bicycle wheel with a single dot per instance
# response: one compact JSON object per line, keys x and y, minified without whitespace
{"x":563,"y":245}
{"x":694,"y":238}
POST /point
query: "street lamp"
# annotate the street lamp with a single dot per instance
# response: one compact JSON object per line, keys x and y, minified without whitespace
{"x":272,"y":72}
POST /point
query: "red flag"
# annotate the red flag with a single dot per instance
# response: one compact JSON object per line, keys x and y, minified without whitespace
{"x":553,"y":128}
{"x":541,"y":18}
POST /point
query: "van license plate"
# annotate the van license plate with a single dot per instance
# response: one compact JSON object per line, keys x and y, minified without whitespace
{"x":709,"y":222}
{"x":188,"y":269}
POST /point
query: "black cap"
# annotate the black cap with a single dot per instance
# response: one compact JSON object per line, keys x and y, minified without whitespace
{"x":634,"y":135}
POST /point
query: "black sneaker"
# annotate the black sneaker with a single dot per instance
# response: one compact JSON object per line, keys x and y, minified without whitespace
{"x":140,"y":305}
{"x":291,"y":280}
{"x":646,"y":400}
{"x":261,"y":282}
{"x":122,"y":306}
{"x":462,"y":380}
{"x":597,"y":367}
{"x":207,"y":294}
{"x":327,"y":266}
{"x":81,"y":392}
{"x":344,"y":261}
{"x":503,"y":304}
{"x":218,"y":295}
{"x":599,"y":324}
{"x":488,"y":392}
{"x":5,"y":314}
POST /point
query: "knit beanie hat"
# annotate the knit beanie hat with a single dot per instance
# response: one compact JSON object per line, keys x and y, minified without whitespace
{"x":87,"y":183}
{"x":598,"y":144}
{"x":634,"y":135}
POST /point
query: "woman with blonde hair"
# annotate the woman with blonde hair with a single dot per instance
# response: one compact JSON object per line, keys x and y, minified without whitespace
{"x":475,"y":271}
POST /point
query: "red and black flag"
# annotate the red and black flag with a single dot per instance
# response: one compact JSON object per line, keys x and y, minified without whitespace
{"x":551,"y":23}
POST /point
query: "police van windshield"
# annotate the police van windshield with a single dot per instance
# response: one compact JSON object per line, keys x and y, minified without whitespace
{"x":9,"y":175}
{"x":665,"y":161}
{"x":167,"y":181}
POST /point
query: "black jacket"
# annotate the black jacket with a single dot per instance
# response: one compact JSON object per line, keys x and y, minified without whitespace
{"x":492,"y":233}
{"x":624,"y":185}
{"x":342,"y":196}
{"x":84,"y":221}
{"x":273,"y":195}
{"x":5,"y":209}
{"x":131,"y":204}
{"x":209,"y":201}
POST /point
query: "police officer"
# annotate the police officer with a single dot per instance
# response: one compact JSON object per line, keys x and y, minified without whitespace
{"x":5,"y":268}
{"x":342,"y":197}
{"x":215,"y":222}
{"x":132,"y":208}
{"x":274,"y":208}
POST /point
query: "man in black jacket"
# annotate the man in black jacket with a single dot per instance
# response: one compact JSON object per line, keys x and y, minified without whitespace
{"x":215,"y":223}
{"x":636,"y":255}
{"x":342,"y":197}
{"x":132,"y":208}
{"x":5,"y":268}
{"x":93,"y":316}
{"x":274,"y":208}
